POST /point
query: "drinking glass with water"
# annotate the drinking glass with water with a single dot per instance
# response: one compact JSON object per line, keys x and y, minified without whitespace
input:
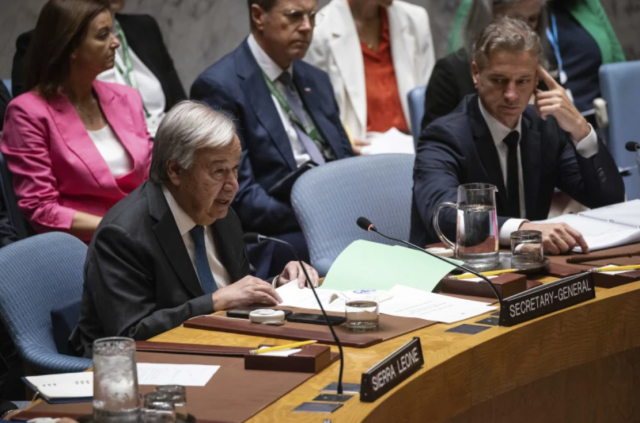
{"x":477,"y":240}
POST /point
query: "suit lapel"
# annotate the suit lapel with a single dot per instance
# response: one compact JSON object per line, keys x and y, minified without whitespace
{"x":345,"y":46}
{"x":168,"y":236}
{"x":75,"y":135}
{"x":230,"y":247}
{"x":402,"y":58}
{"x":487,"y":151}
{"x":531,"y":157}
{"x":256,"y":91}
{"x":308,"y":92}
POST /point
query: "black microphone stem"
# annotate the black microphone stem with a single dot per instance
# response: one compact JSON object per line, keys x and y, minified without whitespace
{"x":339,"y":391}
{"x":415,"y":247}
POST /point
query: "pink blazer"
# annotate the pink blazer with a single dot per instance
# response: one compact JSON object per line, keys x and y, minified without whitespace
{"x":57,"y":169}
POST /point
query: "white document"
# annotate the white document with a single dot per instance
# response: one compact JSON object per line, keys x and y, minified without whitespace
{"x":293,"y":296}
{"x":281,"y":353}
{"x":627,"y":214}
{"x":65,"y":385}
{"x":598,"y":234}
{"x":175,"y":374}
{"x":392,"y":141}
{"x":415,"y":303}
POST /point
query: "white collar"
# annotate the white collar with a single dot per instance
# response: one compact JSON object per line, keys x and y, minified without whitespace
{"x":266,"y":63}
{"x":183,"y":220}
{"x":498,"y":131}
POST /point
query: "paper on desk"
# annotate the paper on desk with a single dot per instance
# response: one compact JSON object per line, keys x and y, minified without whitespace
{"x":411,"y":302}
{"x":175,"y":374}
{"x":282,"y":353}
{"x":392,"y":141}
{"x":369,"y":265}
{"x":293,"y":296}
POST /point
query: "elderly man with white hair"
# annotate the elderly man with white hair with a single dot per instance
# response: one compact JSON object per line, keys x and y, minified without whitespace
{"x":173,"y":248}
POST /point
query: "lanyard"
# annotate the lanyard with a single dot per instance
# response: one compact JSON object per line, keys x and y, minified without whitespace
{"x":129,"y":77}
{"x":555,"y":43}
{"x":309,"y":129}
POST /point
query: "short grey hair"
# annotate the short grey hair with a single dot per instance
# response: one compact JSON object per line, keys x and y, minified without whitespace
{"x":188,"y":126}
{"x":506,"y":34}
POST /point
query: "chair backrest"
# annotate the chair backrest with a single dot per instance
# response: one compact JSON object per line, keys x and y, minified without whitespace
{"x":7,"y":83}
{"x":415,"y":99}
{"x":620,"y":87}
{"x":10,"y":201}
{"x":329,"y":199}
{"x":39,"y":274}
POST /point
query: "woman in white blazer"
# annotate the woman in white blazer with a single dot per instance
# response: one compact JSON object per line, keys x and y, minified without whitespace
{"x":347,"y":30}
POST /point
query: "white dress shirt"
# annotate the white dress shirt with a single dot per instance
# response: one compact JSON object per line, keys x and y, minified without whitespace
{"x":112,"y":151}
{"x":273,"y":71}
{"x":185,"y":224}
{"x":587,"y":147}
{"x":149,"y":87}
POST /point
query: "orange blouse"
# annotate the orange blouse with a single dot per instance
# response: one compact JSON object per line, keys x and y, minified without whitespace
{"x":384,"y":109}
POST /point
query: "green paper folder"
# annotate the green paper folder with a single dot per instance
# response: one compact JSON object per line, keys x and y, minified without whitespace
{"x":369,"y":265}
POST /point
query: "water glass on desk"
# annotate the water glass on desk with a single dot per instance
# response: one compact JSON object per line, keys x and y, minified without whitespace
{"x":362,"y":316}
{"x":158,"y":408}
{"x":115,"y":381}
{"x":178,"y":396}
{"x":526,"y":249}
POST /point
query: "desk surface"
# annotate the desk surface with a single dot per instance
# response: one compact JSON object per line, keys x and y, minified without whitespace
{"x":492,"y":376}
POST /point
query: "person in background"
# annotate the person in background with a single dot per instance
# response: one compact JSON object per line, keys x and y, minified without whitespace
{"x":375,"y":52}
{"x":5,"y":98}
{"x":142,"y":62}
{"x":287,"y":115}
{"x":173,"y":248}
{"x":582,"y":40}
{"x":525,"y":151}
{"x":75,"y":145}
{"x":451,"y":80}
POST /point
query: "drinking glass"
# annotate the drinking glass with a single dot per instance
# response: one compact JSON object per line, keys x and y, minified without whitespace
{"x":115,"y":381}
{"x":178,"y":397}
{"x":526,"y":249}
{"x":362,"y":316}
{"x":158,"y":408}
{"x":477,"y":226}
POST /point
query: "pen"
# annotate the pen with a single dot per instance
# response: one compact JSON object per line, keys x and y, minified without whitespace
{"x":492,"y":273}
{"x":616,"y":268}
{"x":281,"y":347}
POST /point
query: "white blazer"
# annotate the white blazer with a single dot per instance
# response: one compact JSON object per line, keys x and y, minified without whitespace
{"x":336,"y":50}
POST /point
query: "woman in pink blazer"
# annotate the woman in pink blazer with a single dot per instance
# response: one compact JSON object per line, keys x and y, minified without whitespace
{"x":75,"y":146}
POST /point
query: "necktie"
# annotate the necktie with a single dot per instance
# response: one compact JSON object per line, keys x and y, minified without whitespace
{"x":298,"y":109}
{"x":513,"y":181}
{"x":202,"y":263}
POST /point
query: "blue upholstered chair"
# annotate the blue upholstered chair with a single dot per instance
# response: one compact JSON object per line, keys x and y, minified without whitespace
{"x":415,"y":99}
{"x":10,"y":201}
{"x":7,"y":83}
{"x":620,"y":86}
{"x":329,"y":199}
{"x":38,"y":275}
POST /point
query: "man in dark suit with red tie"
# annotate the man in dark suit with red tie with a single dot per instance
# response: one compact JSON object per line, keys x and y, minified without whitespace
{"x":286,"y":114}
{"x":526,"y":151}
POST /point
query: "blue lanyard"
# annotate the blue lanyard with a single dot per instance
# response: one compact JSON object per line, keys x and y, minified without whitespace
{"x":555,"y":43}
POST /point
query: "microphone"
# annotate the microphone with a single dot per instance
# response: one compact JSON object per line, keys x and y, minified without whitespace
{"x":366,"y":224}
{"x":632,"y":146}
{"x":255,"y":238}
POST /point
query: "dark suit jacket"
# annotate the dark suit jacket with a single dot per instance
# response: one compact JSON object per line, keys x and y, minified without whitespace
{"x":7,"y":232}
{"x":144,"y":38}
{"x":450,"y":82}
{"x":459,"y":149}
{"x":139,"y":279}
{"x":236,"y":85}
{"x":5,"y":98}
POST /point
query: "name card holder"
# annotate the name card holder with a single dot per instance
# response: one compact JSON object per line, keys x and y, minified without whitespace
{"x":507,"y":284}
{"x":547,"y":299}
{"x":604,"y":280}
{"x":311,"y":359}
{"x":387,"y":374}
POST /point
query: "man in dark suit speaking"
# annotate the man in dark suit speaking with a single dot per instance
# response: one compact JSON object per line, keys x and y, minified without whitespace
{"x":287,"y":115}
{"x":495,"y":137}
{"x":173,"y":248}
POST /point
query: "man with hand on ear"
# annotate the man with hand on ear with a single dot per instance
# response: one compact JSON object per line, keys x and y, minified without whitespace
{"x":495,"y":137}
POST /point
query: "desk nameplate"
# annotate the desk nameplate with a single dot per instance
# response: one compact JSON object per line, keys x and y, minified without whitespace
{"x":388,"y":374}
{"x":547,"y":299}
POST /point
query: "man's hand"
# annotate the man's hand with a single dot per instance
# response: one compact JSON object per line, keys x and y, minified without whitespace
{"x":357,"y":146}
{"x":557,"y":238}
{"x":293,"y":271}
{"x":246,"y":291}
{"x":556,"y":103}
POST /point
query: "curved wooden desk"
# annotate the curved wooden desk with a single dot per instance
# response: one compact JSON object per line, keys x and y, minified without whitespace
{"x":581,"y":364}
